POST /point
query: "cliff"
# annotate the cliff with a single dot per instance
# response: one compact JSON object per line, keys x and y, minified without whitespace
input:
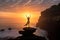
{"x":50,"y":21}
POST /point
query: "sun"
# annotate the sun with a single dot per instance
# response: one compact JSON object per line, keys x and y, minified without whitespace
{"x":27,"y":14}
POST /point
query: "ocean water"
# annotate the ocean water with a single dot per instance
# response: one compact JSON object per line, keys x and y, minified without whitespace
{"x":9,"y":33}
{"x":14,"y":33}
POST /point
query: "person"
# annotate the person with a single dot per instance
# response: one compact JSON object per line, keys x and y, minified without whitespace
{"x":28,"y":22}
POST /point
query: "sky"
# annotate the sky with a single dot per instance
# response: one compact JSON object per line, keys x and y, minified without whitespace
{"x":15,"y":11}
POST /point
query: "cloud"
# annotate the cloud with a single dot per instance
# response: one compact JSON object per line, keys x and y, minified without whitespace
{"x":9,"y":5}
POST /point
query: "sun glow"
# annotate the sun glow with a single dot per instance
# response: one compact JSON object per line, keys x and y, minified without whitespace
{"x":27,"y":14}
{"x":33,"y":17}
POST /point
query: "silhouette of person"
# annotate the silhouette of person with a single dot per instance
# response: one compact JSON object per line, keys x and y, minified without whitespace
{"x":28,"y":22}
{"x":27,"y":34}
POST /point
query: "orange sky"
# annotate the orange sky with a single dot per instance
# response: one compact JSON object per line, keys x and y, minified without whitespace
{"x":19,"y":16}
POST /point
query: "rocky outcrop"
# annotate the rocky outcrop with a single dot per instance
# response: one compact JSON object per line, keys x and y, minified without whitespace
{"x":50,"y":21}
